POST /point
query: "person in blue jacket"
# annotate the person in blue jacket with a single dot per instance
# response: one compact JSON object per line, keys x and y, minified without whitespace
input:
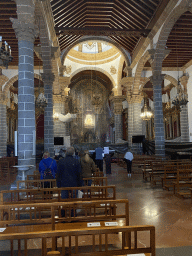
{"x":47,"y":162}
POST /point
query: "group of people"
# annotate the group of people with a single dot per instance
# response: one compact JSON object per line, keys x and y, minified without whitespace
{"x":70,"y":170}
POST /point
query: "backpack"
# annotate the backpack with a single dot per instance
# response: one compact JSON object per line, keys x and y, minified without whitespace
{"x":47,"y":175}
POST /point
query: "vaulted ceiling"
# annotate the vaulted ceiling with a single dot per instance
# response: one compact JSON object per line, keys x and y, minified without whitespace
{"x":129,"y":19}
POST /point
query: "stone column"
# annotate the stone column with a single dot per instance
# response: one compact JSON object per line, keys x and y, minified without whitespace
{"x":3,"y":126}
{"x":158,"y":115}
{"x":134,"y":122}
{"x":25,"y":31}
{"x":48,"y":79}
{"x":118,"y":107}
{"x":184,"y":122}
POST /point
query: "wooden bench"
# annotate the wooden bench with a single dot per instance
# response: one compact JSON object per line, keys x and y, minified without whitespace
{"x":184,"y":181}
{"x":56,"y":212}
{"x":96,"y":181}
{"x":170,"y":175}
{"x":7,"y":171}
{"x":35,"y":176}
{"x":54,"y":194}
{"x":29,"y":184}
{"x":100,"y":240}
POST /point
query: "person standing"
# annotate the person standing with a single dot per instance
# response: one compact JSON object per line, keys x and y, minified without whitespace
{"x":128,"y":159}
{"x":99,"y":158}
{"x":46,"y":165}
{"x":69,"y":173}
{"x":88,"y":167}
{"x":47,"y":162}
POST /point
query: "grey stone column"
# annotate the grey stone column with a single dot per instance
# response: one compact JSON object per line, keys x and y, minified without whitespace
{"x":134,"y":122}
{"x":118,"y":117}
{"x":48,"y":79}
{"x":184,"y":124}
{"x":25,"y":32}
{"x":3,"y":127}
{"x":158,"y":115}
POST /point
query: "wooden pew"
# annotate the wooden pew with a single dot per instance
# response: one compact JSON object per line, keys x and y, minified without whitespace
{"x":51,"y":213}
{"x":54,"y":194}
{"x":184,"y":181}
{"x":99,"y":242}
{"x":35,"y":176}
{"x":170,"y":175}
{"x":30,"y":184}
{"x":96,"y":181}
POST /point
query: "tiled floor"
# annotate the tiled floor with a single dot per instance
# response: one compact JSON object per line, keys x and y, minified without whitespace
{"x":154,"y":206}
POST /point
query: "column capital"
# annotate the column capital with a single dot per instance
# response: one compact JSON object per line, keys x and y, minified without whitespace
{"x":134,"y":98}
{"x":24,"y":31}
{"x":118,"y":106}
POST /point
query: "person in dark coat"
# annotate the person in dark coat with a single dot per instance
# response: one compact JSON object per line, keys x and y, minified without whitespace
{"x":88,"y":167}
{"x":99,"y":158}
{"x":69,"y":173}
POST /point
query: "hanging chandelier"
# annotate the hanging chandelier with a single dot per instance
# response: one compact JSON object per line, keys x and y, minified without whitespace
{"x":5,"y":54}
{"x":146,"y":112}
{"x":181,"y":98}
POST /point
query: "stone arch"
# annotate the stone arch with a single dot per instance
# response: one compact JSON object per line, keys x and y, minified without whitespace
{"x":119,"y":72}
{"x":138,"y":72}
{"x":44,"y":37}
{"x":102,"y":38}
{"x":164,"y":34}
{"x":97,"y":69}
{"x":15,"y":78}
{"x":167,"y":77}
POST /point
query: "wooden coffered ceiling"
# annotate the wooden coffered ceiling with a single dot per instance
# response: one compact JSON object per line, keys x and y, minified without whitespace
{"x":125,"y":22}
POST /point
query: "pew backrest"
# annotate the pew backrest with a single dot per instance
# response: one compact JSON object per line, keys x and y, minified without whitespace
{"x":40,"y":213}
{"x":89,"y":193}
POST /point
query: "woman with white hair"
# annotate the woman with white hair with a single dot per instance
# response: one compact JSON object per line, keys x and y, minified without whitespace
{"x":47,"y":163}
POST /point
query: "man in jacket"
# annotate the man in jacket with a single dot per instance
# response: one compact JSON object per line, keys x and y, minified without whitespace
{"x":69,"y":172}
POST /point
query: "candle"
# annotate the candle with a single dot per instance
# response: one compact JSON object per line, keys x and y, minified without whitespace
{"x":10,"y":50}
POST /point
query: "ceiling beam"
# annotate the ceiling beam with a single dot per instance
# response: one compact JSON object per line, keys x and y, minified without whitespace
{"x":102,"y":32}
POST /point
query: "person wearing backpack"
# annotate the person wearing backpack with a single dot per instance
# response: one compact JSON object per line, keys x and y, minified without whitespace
{"x":47,"y":168}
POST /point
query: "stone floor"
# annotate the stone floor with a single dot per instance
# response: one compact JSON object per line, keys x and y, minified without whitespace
{"x":154,"y":206}
{"x":170,"y":215}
